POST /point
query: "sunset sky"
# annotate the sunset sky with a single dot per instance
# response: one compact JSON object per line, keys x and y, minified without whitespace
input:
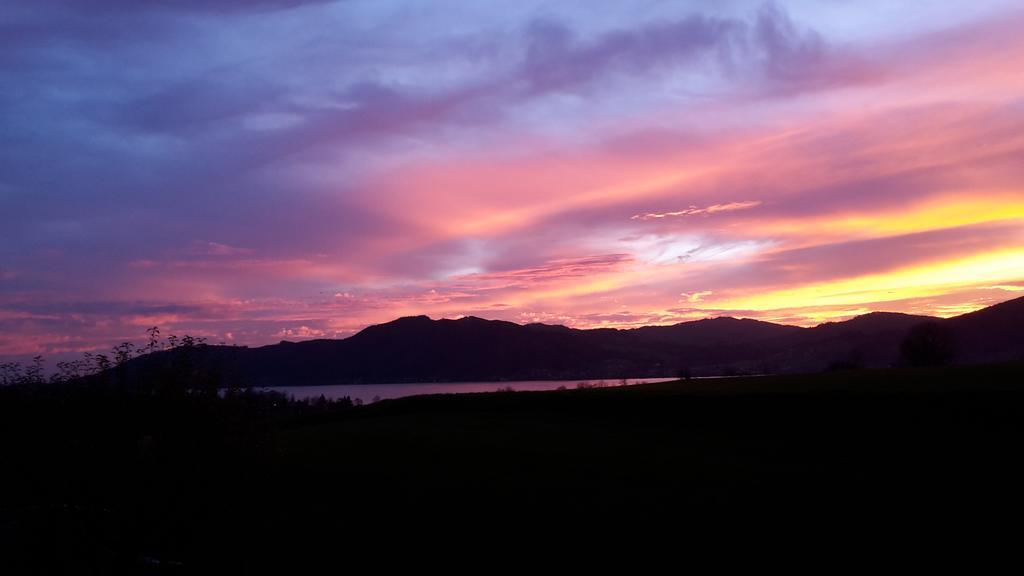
{"x":265,"y":170}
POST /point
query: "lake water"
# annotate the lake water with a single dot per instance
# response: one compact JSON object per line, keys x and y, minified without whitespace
{"x":370,"y":392}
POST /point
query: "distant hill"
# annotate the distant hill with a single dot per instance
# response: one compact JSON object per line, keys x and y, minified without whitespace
{"x":993,"y":334}
{"x":419,"y":349}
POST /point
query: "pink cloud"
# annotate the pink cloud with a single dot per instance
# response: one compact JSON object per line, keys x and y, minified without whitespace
{"x":695,"y":211}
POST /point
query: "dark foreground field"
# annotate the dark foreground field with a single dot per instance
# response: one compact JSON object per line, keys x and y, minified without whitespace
{"x":100,"y":481}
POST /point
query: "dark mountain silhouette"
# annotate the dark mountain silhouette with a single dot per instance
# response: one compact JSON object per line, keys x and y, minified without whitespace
{"x":868,"y":341}
{"x":717,"y":332}
{"x":418,"y":349}
{"x":993,"y":334}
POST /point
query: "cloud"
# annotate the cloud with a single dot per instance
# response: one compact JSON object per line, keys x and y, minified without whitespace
{"x":768,"y":45}
{"x":694,"y":297}
{"x":554,"y":61}
{"x":554,"y":270}
{"x":1007,"y":287}
{"x":209,"y":6}
{"x":787,"y":53}
{"x":834,"y":261}
{"x":695,"y":211}
{"x":217,"y":249}
{"x":302,"y":332}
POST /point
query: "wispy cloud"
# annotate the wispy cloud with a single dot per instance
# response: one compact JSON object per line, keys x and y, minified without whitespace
{"x":694,"y":297}
{"x":1008,"y":287}
{"x":696,"y":211}
{"x":218,"y":249}
{"x":555,"y":270}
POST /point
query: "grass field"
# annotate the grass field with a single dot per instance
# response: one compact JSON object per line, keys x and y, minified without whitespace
{"x":200,"y":483}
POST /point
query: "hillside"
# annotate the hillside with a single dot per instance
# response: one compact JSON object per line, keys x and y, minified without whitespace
{"x":419,"y":349}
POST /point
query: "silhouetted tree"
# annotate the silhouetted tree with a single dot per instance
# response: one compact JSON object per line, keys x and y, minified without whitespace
{"x":102,"y":363}
{"x":11,"y":373}
{"x":34,"y":373}
{"x":71,"y":370}
{"x":927,"y":344}
{"x":154,"y":340}
{"x":123,"y":353}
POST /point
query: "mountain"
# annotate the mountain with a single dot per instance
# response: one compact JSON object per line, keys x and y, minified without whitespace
{"x":419,"y":349}
{"x":993,"y":334}
{"x":871,"y":341}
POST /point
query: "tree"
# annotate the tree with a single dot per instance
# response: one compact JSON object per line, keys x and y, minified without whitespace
{"x":34,"y":372}
{"x":927,"y":344}
{"x":154,"y":340}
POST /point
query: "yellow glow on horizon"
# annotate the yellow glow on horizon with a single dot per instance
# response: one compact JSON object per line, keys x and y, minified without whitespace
{"x":934,"y":214}
{"x":911,"y":282}
{"x":820,"y":316}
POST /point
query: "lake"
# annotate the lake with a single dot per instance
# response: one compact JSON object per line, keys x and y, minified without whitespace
{"x":372,"y":392}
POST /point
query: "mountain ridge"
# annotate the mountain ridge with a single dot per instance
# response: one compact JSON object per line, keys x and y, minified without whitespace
{"x":420,"y":349}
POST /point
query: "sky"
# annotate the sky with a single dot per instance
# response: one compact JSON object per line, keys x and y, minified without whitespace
{"x":265,"y":170}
